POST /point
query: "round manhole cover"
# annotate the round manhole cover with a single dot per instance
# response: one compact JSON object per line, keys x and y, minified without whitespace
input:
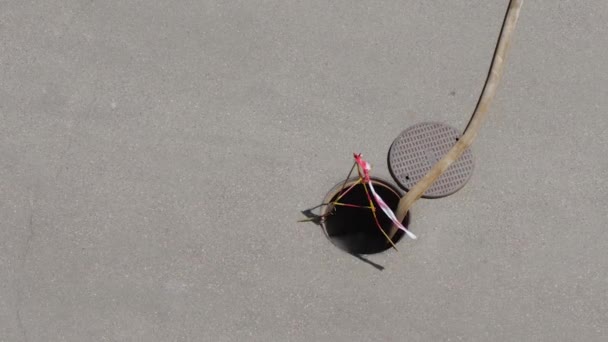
{"x":418,"y":148}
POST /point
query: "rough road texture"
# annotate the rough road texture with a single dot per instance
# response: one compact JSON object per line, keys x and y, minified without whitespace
{"x":155,"y":156}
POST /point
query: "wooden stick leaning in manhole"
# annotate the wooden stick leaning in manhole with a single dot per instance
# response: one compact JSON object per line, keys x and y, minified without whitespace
{"x":470,"y":133}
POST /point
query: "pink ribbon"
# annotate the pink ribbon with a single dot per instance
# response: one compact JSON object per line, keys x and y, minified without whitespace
{"x":366,"y":168}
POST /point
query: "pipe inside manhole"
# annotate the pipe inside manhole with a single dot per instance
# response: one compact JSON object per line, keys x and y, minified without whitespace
{"x":354,"y":230}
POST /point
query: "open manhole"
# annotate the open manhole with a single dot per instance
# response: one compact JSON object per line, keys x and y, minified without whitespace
{"x":354,"y":230}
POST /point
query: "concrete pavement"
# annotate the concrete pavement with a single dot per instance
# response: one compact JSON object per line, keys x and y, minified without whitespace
{"x":155,"y":157}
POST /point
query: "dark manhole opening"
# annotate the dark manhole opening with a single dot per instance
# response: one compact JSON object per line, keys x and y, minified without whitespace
{"x":354,"y":229}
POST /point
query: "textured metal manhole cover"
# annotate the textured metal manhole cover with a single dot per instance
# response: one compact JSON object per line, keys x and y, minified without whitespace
{"x":418,"y":148}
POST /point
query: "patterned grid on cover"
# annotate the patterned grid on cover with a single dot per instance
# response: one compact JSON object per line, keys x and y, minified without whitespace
{"x":418,"y":148}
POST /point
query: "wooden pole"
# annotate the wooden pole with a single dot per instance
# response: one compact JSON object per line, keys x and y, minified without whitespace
{"x":487,"y":95}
